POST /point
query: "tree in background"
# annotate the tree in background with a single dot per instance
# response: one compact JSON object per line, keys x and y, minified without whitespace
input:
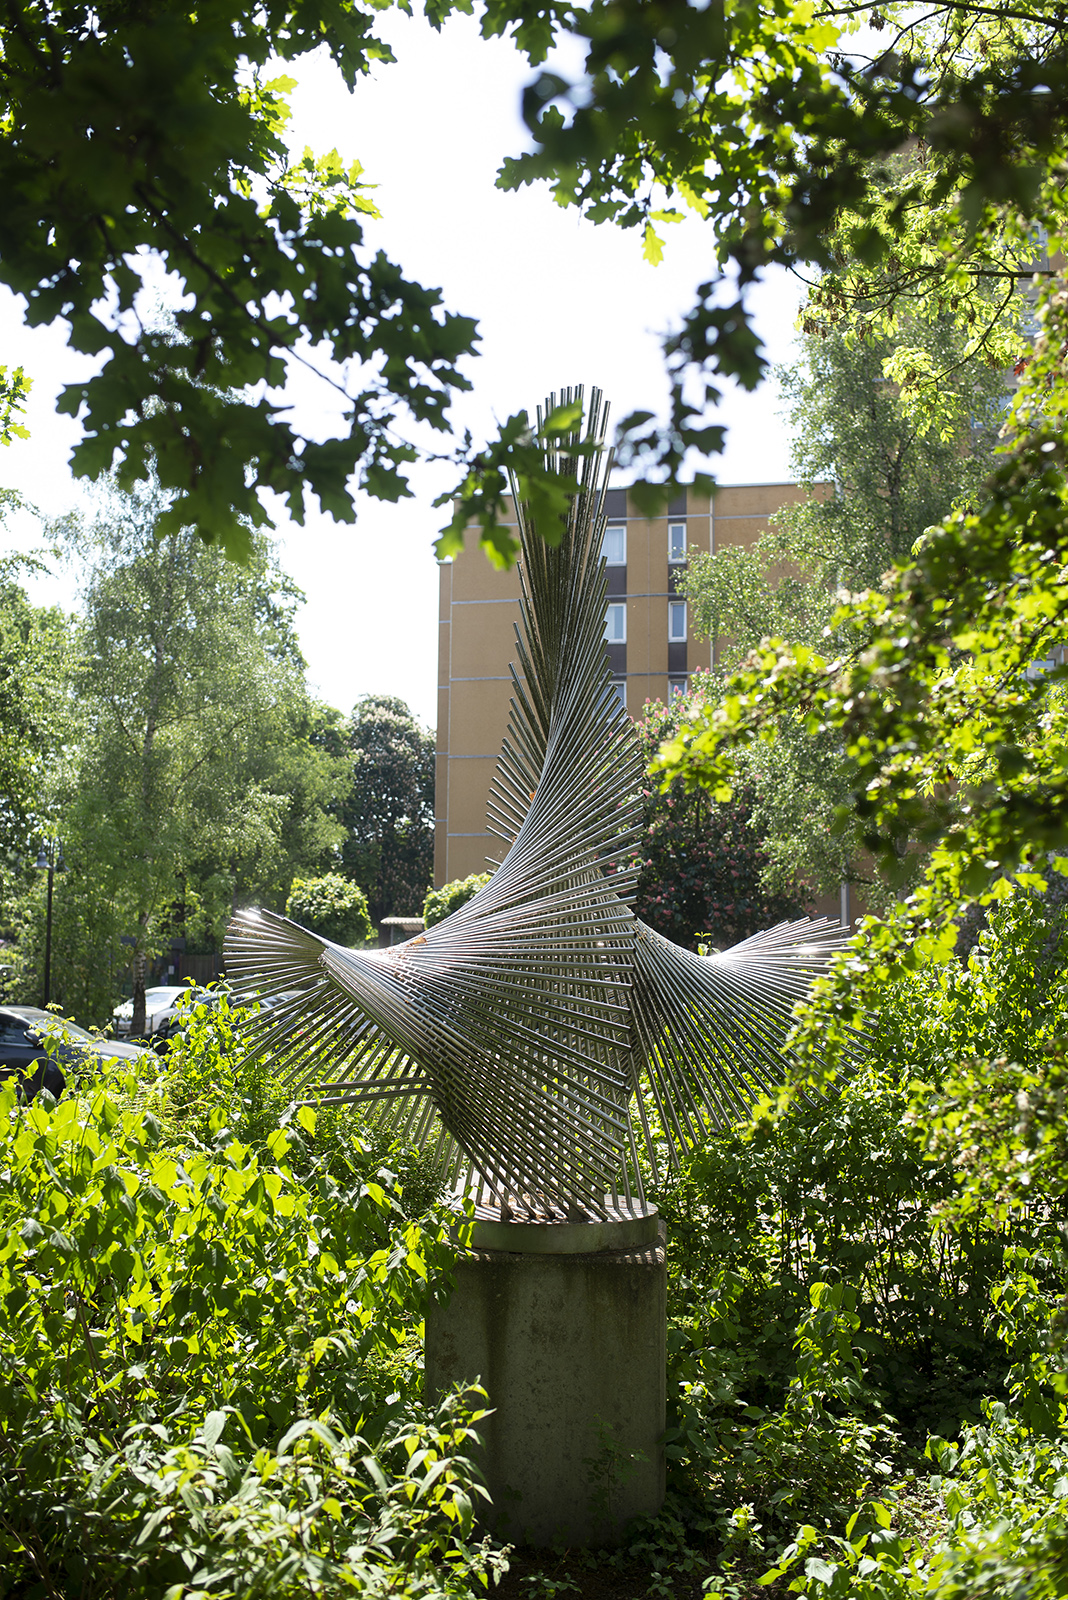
{"x":36,"y":718}
{"x":35,"y":715}
{"x":389,"y":813}
{"x":701,"y":862}
{"x":192,"y":779}
{"x":887,"y":472}
{"x":890,"y":473}
{"x":300,"y":763}
{"x":332,"y":907}
{"x":441,"y":903}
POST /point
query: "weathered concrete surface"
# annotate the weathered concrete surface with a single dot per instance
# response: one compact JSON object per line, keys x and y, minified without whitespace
{"x":571,"y":1349}
{"x":620,"y":1229}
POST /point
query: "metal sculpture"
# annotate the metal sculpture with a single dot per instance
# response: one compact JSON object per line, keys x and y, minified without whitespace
{"x":537,"y":1033}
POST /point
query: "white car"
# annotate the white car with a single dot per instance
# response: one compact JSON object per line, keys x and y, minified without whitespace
{"x":161,"y":1009}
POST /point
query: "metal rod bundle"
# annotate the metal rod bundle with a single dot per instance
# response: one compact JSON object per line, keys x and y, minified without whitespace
{"x":524,"y":1035}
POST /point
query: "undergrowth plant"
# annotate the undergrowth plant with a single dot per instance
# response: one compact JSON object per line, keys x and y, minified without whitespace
{"x":209,"y":1317}
{"x":867,"y":1293}
{"x":211,"y":1304}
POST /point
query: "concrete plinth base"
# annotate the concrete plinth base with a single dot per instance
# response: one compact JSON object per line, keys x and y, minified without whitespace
{"x":571,"y":1349}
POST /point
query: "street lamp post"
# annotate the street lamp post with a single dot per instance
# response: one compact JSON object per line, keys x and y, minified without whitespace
{"x":50,"y":860}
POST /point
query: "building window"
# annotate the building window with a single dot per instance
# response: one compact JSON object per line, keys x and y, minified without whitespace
{"x":676,"y":686}
{"x":619,"y":690}
{"x":615,"y":624}
{"x":676,"y":542}
{"x":676,"y":621}
{"x":614,"y":544}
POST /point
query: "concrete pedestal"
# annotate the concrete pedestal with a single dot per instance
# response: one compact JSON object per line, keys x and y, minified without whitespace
{"x":571,"y":1349}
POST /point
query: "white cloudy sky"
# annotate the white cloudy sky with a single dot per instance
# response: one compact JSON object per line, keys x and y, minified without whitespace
{"x":559,"y":301}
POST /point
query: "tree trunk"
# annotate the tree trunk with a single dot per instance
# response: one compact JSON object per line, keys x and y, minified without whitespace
{"x":137,"y":1024}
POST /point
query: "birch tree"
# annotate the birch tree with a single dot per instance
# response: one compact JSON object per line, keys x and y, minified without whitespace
{"x":193,"y":715}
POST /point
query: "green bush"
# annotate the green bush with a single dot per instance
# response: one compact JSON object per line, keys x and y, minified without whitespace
{"x":840,"y":1192}
{"x":211,"y":1304}
{"x":332,"y":907}
{"x":206,"y":1067}
{"x":1002,"y":1533}
{"x":879,"y":1272}
{"x":441,"y":903}
{"x":209,"y":1322}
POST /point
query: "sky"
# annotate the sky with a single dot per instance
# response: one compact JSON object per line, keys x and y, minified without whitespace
{"x":559,"y":301}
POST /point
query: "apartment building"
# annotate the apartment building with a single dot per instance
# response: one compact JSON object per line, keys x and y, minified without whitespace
{"x":650,"y":645}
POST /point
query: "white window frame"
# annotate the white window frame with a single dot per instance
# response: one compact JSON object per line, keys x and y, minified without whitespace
{"x":619,"y":688}
{"x":676,"y":561}
{"x":677,"y":686}
{"x":620,"y":608}
{"x":621,"y":529}
{"x":675,"y":608}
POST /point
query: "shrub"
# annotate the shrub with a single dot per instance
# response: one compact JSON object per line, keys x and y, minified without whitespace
{"x":332,"y":907}
{"x":882,"y":1263}
{"x":209,"y":1321}
{"x":441,"y":903}
{"x":840,"y":1193}
{"x":206,"y":1068}
{"x":701,"y":862}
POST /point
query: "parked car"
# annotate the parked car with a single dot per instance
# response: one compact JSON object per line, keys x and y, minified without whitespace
{"x":162,"y":1009}
{"x":22,"y":1050}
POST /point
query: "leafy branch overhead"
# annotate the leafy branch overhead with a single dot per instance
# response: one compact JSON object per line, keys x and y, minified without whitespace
{"x":14,"y":387}
{"x":926,"y":162}
{"x":127,"y":138}
{"x":131,"y":139}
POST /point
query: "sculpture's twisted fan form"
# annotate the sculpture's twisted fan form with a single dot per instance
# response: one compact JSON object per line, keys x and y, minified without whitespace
{"x":522,"y":1031}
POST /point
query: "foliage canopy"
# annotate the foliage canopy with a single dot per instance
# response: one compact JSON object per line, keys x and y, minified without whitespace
{"x":14,"y":387}
{"x":131,"y":136}
{"x":389,"y":812}
{"x":160,"y":138}
{"x":331,"y":906}
{"x":702,"y":865}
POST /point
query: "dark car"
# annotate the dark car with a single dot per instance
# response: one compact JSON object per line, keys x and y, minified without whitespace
{"x":22,"y":1050}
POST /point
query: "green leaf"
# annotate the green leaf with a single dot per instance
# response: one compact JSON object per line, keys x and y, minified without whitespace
{"x":211,"y":1432}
